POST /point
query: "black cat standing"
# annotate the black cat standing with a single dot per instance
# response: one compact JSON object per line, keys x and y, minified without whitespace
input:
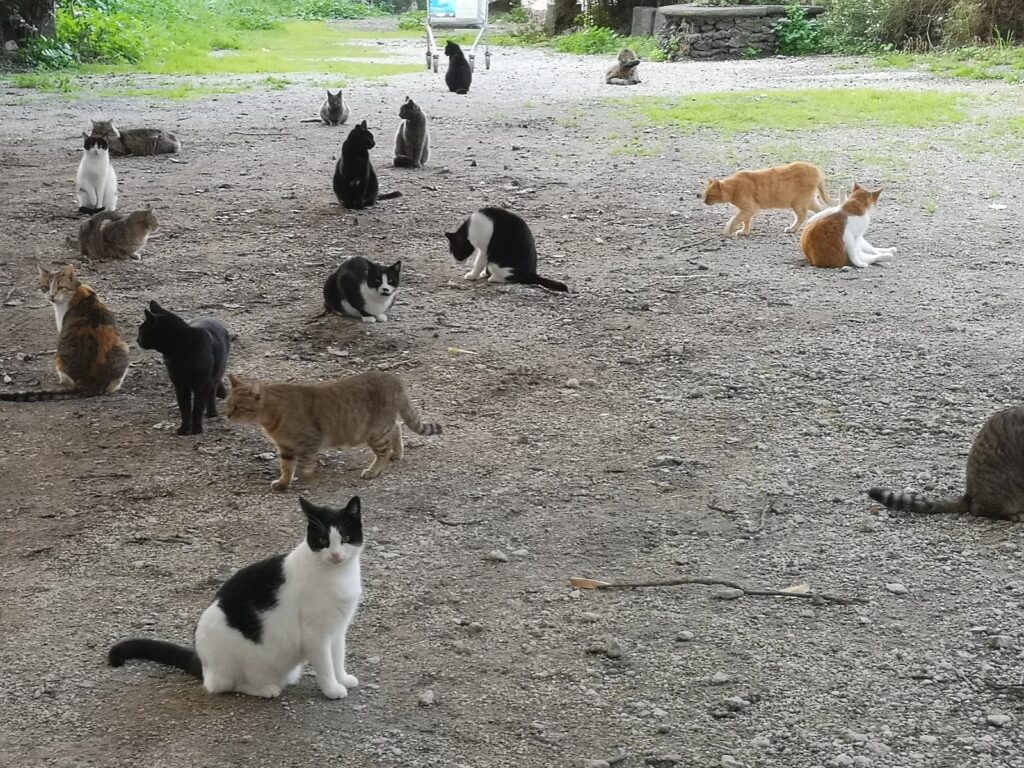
{"x":459,"y":75}
{"x":355,"y":181}
{"x":196,"y":355}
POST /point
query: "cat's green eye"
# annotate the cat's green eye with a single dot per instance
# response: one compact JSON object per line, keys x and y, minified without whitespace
{"x":344,"y":539}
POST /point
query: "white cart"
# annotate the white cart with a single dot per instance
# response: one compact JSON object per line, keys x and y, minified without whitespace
{"x":457,"y":14}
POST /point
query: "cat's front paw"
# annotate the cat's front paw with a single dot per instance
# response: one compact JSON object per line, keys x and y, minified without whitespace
{"x":470,"y":276}
{"x":347,"y":680}
{"x":279,"y":485}
{"x":369,"y":319}
{"x":183,"y":430}
{"x":381,"y":318}
{"x":335,"y":691}
{"x":369,"y":473}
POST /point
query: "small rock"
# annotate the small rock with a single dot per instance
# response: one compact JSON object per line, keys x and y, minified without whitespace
{"x":728,"y":761}
{"x":998,"y":721}
{"x":497,"y":556}
{"x":606,"y":646}
{"x":630,"y":360}
{"x":1002,"y":641}
{"x":659,"y":712}
{"x":727,"y":593}
{"x":685,"y":636}
{"x":877,"y":748}
{"x":928,"y":739}
{"x":594,"y":763}
{"x":867,"y":524}
{"x":573,"y":384}
{"x":842,"y":760}
{"x":663,"y":761}
{"x":853,"y":737}
{"x":7,"y":379}
{"x":10,"y":47}
{"x":667,"y":461}
{"x":720,"y":678}
{"x":426,"y":698}
{"x":736,"y":703}
{"x":862,"y":761}
{"x":896,"y":588}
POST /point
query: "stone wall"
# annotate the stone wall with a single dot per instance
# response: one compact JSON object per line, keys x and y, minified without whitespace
{"x":698,"y":32}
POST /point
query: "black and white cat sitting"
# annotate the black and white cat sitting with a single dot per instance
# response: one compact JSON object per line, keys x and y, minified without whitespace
{"x":272,"y":617}
{"x":503,"y":246}
{"x":359,"y":288}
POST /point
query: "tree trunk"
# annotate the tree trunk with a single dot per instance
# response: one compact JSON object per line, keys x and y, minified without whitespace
{"x":25,"y":18}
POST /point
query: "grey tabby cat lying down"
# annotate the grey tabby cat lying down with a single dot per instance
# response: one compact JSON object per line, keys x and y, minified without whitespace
{"x":109,"y":235}
{"x":135,"y":141}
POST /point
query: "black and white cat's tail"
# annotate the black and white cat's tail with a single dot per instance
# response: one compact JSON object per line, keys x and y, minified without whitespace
{"x":160,"y":651}
{"x":911,"y":502}
{"x":551,"y":285}
{"x":90,"y":211}
{"x":412,"y":420}
{"x":389,"y":195}
{"x":37,"y":395}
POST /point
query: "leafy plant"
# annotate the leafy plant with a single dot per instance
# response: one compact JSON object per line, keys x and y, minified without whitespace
{"x":796,"y":35}
{"x":413,"y":20}
{"x":750,"y":52}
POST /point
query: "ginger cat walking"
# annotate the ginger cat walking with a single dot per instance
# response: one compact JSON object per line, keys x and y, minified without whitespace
{"x":795,"y":186}
{"x":835,"y":237}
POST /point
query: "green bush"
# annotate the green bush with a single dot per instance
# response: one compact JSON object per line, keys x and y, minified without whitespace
{"x":796,"y":35}
{"x":413,"y":20}
{"x":108,"y":37}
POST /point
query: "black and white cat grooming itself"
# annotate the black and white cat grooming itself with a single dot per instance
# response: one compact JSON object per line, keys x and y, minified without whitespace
{"x":359,"y":288}
{"x":502,"y":246}
{"x":272,"y":617}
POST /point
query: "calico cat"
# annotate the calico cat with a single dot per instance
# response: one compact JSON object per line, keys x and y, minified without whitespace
{"x":412,"y":141}
{"x":355,"y":181}
{"x":96,"y":181}
{"x":460,"y":74}
{"x":504,"y":247}
{"x":794,"y":186}
{"x":135,"y":141}
{"x":109,"y":235}
{"x":624,"y":70}
{"x":272,"y":617}
{"x":360,"y":288}
{"x":92,"y":358}
{"x":835,"y":237}
{"x":196,"y":356}
{"x":995,"y":475}
{"x":302,"y":419}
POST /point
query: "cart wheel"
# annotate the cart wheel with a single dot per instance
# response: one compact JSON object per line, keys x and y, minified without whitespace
{"x":428,"y":60}
{"x":487,"y":60}
{"x":472,"y":63}
{"x":435,"y":64}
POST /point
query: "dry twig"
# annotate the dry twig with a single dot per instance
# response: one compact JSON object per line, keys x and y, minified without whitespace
{"x":815,"y":596}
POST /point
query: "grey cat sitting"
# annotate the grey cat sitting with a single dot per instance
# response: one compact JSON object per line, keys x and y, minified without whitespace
{"x":135,"y":141}
{"x":412,"y":142}
{"x":334,"y":110}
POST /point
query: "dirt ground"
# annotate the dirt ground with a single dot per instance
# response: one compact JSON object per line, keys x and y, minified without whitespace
{"x":695,"y":406}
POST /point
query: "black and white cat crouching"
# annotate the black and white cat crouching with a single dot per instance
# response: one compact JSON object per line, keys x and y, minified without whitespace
{"x":272,"y":617}
{"x":196,"y":356}
{"x":361,"y":289}
{"x":502,"y":247}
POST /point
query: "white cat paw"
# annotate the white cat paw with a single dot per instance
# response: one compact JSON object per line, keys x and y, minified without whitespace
{"x":369,"y":319}
{"x":369,"y":474}
{"x":381,"y":318}
{"x":277,"y":485}
{"x":334,"y":691}
{"x":347,"y":680}
{"x":470,"y":276}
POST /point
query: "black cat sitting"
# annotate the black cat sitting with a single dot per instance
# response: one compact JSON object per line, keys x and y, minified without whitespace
{"x":355,"y":181}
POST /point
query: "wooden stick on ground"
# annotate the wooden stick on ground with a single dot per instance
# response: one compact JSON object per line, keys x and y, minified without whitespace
{"x":817,"y":597}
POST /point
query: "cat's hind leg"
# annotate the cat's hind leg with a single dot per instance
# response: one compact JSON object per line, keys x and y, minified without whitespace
{"x":397,"y":447}
{"x":65,"y":380}
{"x":381,"y":446}
{"x":869,"y":248}
{"x":265,"y":691}
{"x":799,"y":215}
{"x":306,"y":464}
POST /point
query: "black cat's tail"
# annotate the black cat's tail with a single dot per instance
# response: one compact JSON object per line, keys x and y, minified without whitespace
{"x":461,"y":91}
{"x":38,"y":395}
{"x":911,"y":502}
{"x":551,"y":285}
{"x":401,"y":161}
{"x":90,"y":211}
{"x":221,"y":391}
{"x":160,"y":651}
{"x":389,"y":195}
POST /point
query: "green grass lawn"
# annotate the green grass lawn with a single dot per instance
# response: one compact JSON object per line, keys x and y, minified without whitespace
{"x":997,"y":62}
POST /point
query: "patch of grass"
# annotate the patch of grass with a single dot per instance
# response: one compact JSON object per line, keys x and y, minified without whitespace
{"x":178,"y":92}
{"x":639,"y":146}
{"x":929,"y":205}
{"x":277,"y":83}
{"x":300,"y":46}
{"x":998,"y":62}
{"x":595,"y":40}
{"x":800,"y":110}
{"x":52,"y":82}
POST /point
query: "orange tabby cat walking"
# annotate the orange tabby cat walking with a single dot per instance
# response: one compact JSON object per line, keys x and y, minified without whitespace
{"x":795,"y":186}
{"x":302,"y":419}
{"x":835,"y":237}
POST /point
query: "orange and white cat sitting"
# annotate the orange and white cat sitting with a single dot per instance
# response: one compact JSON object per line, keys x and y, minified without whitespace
{"x":795,"y":186}
{"x":835,"y":237}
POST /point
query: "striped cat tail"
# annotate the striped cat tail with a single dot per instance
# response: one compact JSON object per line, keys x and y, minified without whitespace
{"x":412,"y":420}
{"x":911,"y":502}
{"x":38,"y":395}
{"x":160,"y":651}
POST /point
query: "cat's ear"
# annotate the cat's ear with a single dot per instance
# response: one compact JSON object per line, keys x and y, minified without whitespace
{"x":147,"y":313}
{"x":856,"y":186}
{"x":875,"y":195}
{"x":396,"y":267}
{"x":363,"y":124}
{"x":43,"y":271}
{"x":313,"y":513}
{"x":450,"y":236}
{"x":85,"y":135}
{"x":234,"y":381}
{"x":354,"y":507}
{"x":156,"y":309}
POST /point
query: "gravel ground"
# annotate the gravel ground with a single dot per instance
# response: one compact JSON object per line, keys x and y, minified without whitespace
{"x":696,"y":406}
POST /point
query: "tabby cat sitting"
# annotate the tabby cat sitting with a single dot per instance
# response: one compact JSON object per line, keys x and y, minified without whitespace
{"x":303,"y":419}
{"x":92,"y":358}
{"x":995,"y":475}
{"x":272,"y":617}
{"x":795,"y":186}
